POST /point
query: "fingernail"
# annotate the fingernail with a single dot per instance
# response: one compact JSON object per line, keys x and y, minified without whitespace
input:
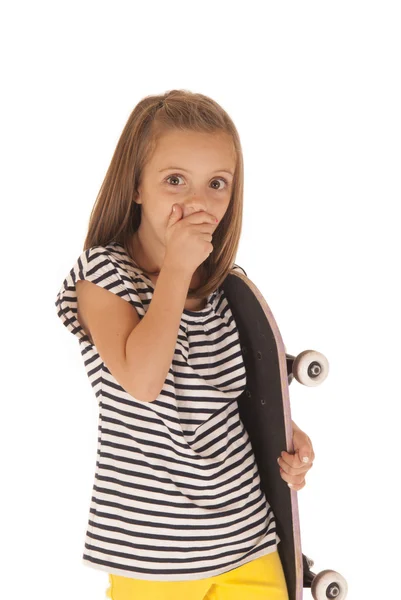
{"x":305,"y":459}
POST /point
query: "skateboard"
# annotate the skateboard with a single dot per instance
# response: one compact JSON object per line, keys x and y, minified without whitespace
{"x":265,"y":411}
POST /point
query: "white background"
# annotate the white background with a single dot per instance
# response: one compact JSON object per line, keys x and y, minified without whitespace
{"x":314,"y":90}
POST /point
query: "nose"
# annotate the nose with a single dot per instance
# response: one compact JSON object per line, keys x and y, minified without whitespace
{"x":194,"y":204}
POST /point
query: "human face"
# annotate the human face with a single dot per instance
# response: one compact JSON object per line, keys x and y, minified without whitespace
{"x":198,"y":182}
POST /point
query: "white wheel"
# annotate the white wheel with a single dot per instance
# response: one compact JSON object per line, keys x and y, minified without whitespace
{"x":329,"y":584}
{"x":310,"y":368}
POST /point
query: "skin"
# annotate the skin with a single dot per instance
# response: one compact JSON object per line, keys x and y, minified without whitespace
{"x":197,"y":186}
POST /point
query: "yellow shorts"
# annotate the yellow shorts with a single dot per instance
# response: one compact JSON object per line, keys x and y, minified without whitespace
{"x":259,"y":579}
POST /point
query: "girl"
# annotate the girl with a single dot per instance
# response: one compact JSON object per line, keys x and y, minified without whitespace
{"x":177,"y":510}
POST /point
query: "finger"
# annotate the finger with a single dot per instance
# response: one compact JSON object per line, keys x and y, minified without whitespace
{"x":306,"y":451}
{"x":293,"y":461}
{"x":293,"y":470}
{"x":296,"y":482}
{"x":300,"y":457}
{"x":298,"y":487}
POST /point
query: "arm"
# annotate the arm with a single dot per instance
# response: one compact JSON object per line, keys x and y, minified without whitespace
{"x":151,"y":344}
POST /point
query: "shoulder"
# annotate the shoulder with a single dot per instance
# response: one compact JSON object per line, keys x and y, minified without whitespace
{"x":238,"y":269}
{"x":105,"y":267}
{"x":110,"y":260}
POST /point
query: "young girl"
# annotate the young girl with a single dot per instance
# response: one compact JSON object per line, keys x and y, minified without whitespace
{"x":177,"y":510}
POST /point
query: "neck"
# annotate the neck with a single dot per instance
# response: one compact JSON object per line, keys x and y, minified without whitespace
{"x":149,"y":262}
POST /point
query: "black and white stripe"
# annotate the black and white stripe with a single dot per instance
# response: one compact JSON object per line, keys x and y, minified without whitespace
{"x":177,"y":491}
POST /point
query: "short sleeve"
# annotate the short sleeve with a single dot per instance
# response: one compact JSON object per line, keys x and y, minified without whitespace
{"x":238,"y":269}
{"x":96,"y":265}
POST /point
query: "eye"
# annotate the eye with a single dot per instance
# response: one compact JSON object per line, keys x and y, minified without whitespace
{"x":222,"y":179}
{"x":177,"y":176}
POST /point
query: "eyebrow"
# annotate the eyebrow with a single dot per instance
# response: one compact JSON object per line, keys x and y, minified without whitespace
{"x":182,"y":169}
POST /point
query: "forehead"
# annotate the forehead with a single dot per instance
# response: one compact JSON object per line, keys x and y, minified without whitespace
{"x":192,"y":149}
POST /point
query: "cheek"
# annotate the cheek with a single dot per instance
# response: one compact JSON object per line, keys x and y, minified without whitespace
{"x":225,"y":208}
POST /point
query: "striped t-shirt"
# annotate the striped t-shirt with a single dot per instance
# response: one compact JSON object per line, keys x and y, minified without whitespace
{"x":177,"y":493}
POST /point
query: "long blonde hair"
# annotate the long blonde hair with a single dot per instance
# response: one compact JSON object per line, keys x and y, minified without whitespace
{"x":115,"y":216}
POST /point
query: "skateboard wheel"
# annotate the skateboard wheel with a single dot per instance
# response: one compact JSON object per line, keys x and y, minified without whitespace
{"x":329,"y":584}
{"x":310,"y":368}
